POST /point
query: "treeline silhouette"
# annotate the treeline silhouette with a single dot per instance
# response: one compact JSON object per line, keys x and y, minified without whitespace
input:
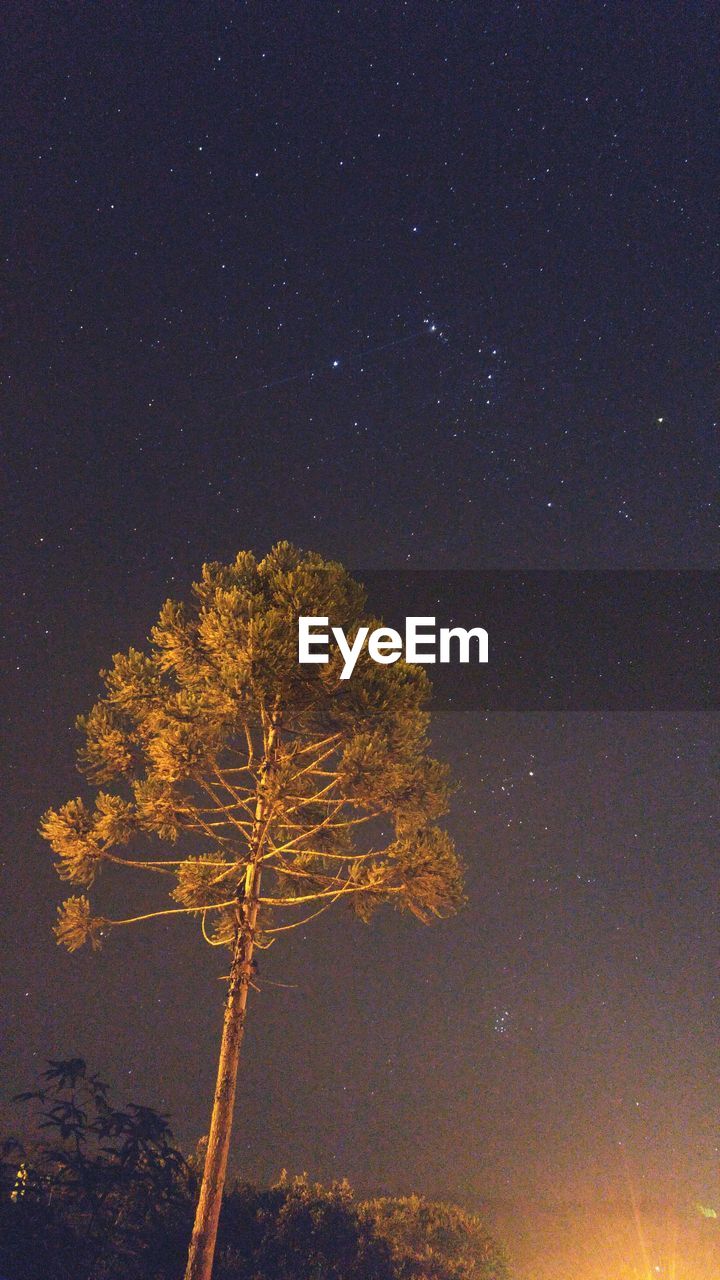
{"x":103,"y":1193}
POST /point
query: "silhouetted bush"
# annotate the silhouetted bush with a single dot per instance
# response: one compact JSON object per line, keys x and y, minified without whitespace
{"x":105,"y":1195}
{"x":298,"y":1230}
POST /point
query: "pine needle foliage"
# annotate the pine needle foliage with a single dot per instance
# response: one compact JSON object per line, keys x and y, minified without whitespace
{"x":216,"y":751}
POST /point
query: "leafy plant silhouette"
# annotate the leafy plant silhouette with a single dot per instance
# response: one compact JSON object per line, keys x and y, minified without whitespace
{"x":105,"y":1194}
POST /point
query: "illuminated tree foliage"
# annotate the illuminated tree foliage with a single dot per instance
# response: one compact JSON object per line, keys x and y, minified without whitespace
{"x":436,"y":1241}
{"x":261,"y":792}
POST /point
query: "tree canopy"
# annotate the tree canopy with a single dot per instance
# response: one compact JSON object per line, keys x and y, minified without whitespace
{"x":436,"y":1241}
{"x":217,"y":746}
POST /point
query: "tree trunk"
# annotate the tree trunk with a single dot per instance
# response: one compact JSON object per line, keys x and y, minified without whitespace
{"x":207,"y":1214}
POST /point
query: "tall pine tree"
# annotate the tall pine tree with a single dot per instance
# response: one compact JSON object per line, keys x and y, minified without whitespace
{"x":262,"y":791}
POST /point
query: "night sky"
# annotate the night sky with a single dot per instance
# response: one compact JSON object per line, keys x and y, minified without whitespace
{"x":416,"y":286}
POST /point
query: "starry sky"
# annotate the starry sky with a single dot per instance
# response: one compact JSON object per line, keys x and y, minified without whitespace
{"x":421,"y":287}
